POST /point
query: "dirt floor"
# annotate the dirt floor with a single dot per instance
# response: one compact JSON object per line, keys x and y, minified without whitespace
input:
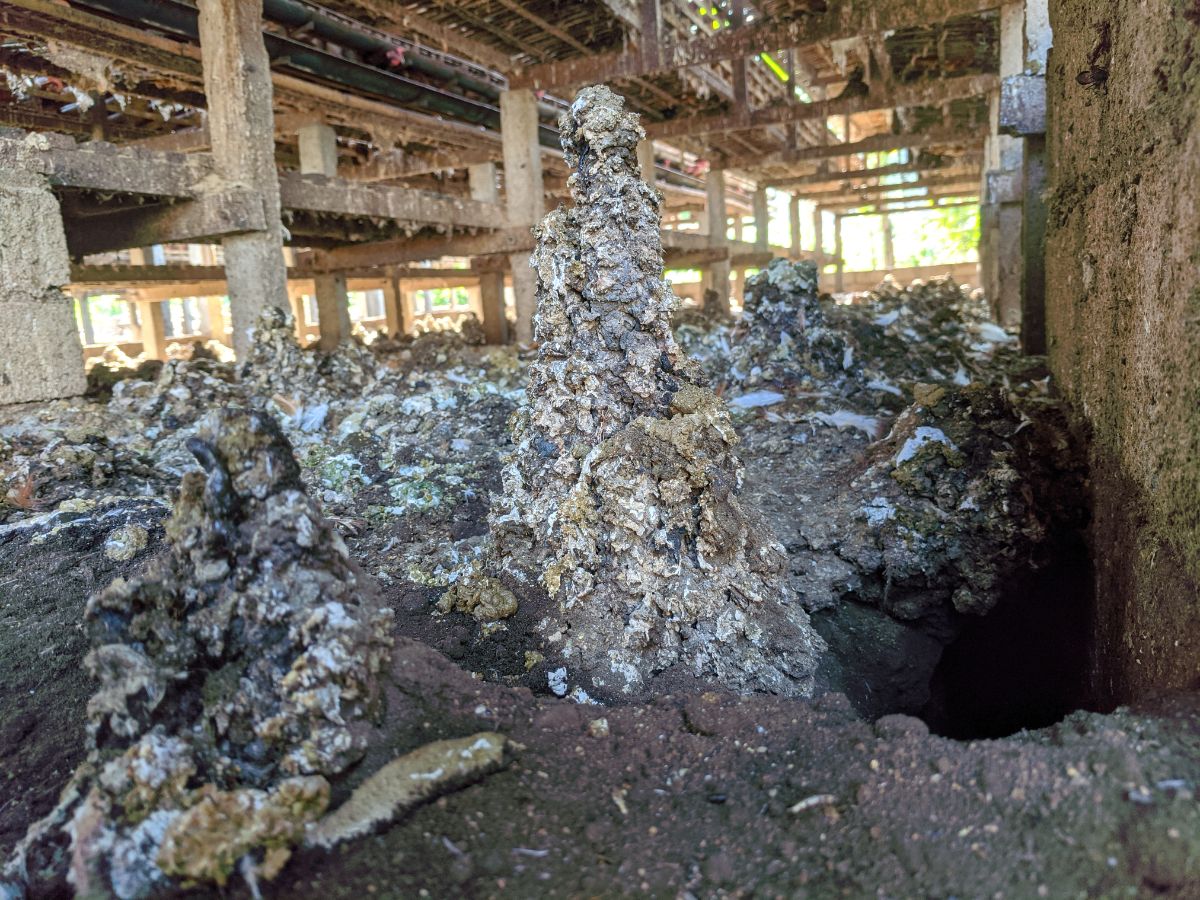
{"x":686,"y":791}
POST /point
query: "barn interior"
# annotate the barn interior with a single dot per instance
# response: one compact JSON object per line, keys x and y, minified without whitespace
{"x":688,"y":448}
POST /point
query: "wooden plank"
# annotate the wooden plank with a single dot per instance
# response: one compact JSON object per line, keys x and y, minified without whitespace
{"x":930,"y":93}
{"x":879,"y":143}
{"x":340,"y":196}
{"x":841,"y":19}
{"x":856,"y":176}
{"x":201,"y":220}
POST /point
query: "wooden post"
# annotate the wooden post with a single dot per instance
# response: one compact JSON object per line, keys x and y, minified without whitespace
{"x":524,"y":194}
{"x":645,"y":155}
{"x":318,"y":149}
{"x":889,"y":246}
{"x":154,"y":329}
{"x":318,"y":156}
{"x":794,"y":224}
{"x":237,"y":84}
{"x":482,"y":180}
{"x":397,"y":306}
{"x":85,"y":318}
{"x":762,"y":219}
{"x":819,"y":234}
{"x":216,"y":319}
{"x":840,"y":278}
{"x":719,"y":269}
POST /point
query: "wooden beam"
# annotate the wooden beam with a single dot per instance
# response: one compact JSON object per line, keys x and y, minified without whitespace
{"x":448,"y":40}
{"x":879,"y":143}
{"x":933,"y":92}
{"x":835,"y":196}
{"x":401,"y":250}
{"x":213,"y":216}
{"x":841,"y":19}
{"x":190,"y":140}
{"x":971,"y":162}
{"x":339,"y":196}
{"x":104,"y":167}
{"x":895,"y":208}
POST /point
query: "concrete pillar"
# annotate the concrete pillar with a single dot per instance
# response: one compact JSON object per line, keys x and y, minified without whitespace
{"x":216,"y":319}
{"x":718,"y":272}
{"x":237,"y":83}
{"x":645,"y":155}
{"x":482,"y":179}
{"x":333,"y":310}
{"x":1001,"y":264}
{"x":839,"y":283}
{"x":154,"y":329}
{"x":524,"y":194}
{"x":1033,"y":248}
{"x":491,"y":299}
{"x":41,"y":357}
{"x":397,"y":307}
{"x":762,"y":219}
{"x":85,"y":318}
{"x":818,"y":232}
{"x":318,"y":156}
{"x":318,"y":149}
{"x":889,"y":244}
{"x":794,"y":224}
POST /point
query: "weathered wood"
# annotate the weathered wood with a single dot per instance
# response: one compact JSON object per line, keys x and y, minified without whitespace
{"x":401,"y":250}
{"x":971,"y":162}
{"x":207,"y":218}
{"x":841,"y":19}
{"x":837,"y":196}
{"x":930,"y":93}
{"x":961,"y":137}
{"x":340,"y":196}
{"x":101,"y":166}
{"x":237,"y":82}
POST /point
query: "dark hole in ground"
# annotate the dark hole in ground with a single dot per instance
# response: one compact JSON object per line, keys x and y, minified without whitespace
{"x":1024,"y":665}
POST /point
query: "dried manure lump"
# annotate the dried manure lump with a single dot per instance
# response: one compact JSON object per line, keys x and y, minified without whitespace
{"x":622,"y":495}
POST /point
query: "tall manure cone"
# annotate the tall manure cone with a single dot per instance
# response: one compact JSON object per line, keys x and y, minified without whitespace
{"x":622,"y":495}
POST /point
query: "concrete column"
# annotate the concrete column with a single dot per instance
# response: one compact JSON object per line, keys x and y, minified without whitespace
{"x":889,"y":246}
{"x":41,"y":357}
{"x":718,"y":272}
{"x":318,"y":156}
{"x":818,"y":231}
{"x":237,"y":83}
{"x":794,"y":224}
{"x":216,"y":319}
{"x":154,"y":329}
{"x":482,"y":179}
{"x":85,"y":318}
{"x":397,"y":307}
{"x":762,"y":219}
{"x":318,"y":149}
{"x":524,"y":194}
{"x":839,"y":283}
{"x":333,"y":310}
{"x":491,"y":299}
{"x":1001,"y":264}
{"x":645,"y":155}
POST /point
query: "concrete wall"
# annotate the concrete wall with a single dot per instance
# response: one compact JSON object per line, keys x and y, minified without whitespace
{"x":1123,"y":318}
